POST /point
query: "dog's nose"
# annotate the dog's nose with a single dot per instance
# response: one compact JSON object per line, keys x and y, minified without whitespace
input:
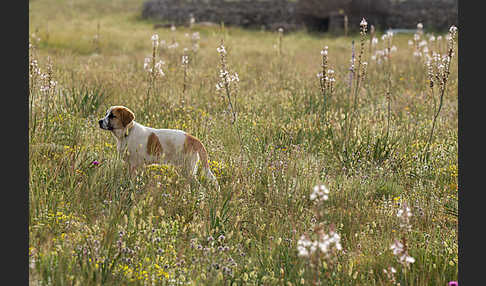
{"x":101,"y":123}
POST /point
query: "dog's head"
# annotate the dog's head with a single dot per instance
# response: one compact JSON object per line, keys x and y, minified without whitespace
{"x":117,"y":117}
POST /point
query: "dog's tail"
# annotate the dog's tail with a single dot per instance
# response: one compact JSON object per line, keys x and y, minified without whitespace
{"x":192,"y":144}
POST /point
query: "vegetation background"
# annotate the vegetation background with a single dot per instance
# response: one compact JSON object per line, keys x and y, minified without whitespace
{"x":366,"y":138}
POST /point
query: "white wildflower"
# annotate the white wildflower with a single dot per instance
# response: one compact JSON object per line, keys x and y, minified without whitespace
{"x":404,"y":214}
{"x":325,"y":244}
{"x":406,"y":259}
{"x":174,"y":45}
{"x":195,"y":36}
{"x":319,"y":193}
{"x":302,"y":244}
{"x":223,"y":73}
{"x":302,"y":251}
{"x":396,"y":247}
{"x":147,"y":63}
{"x":363,"y":23}
{"x":185,"y":60}
{"x":155,"y":40}
{"x":221,"y":50}
{"x":219,"y":86}
{"x":234,"y":77}
{"x":324,"y":51}
{"x":453,"y":29}
{"x":158,"y":67}
{"x":398,"y":250}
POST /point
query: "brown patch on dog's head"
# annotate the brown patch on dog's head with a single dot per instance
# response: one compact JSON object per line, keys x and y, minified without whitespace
{"x":153,"y":145}
{"x":121,"y":117}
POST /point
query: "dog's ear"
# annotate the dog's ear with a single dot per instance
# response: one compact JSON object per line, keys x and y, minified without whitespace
{"x":126,"y":116}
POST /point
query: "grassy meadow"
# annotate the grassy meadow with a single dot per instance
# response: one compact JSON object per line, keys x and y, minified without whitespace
{"x":386,"y":216}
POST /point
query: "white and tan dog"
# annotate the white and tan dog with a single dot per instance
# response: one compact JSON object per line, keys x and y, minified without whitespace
{"x":141,"y":145}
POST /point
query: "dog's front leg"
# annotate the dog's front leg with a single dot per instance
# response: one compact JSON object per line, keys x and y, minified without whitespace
{"x":132,"y":166}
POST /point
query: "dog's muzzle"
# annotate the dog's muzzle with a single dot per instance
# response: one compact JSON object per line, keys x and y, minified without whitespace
{"x":104,"y":126}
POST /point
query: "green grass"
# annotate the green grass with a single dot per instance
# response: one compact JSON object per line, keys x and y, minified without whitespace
{"x":93,"y":224}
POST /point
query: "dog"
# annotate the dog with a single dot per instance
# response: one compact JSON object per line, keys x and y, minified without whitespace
{"x":140,"y":145}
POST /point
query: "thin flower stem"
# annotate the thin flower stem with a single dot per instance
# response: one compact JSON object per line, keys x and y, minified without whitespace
{"x":442,"y":87}
{"x":323,"y":80}
{"x":350,"y":85}
{"x":388,"y":91}
{"x":226,"y":83}
{"x":436,"y":115}
{"x":356,"y":87}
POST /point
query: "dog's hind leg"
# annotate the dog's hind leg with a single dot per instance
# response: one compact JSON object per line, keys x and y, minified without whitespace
{"x":211,"y":176}
{"x":190,"y":170}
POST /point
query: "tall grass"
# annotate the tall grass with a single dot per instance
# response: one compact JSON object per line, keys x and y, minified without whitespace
{"x":90,"y":224}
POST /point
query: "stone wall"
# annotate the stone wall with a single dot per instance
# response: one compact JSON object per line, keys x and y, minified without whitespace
{"x":383,"y":14}
{"x":433,"y":14}
{"x":313,"y":14}
{"x":246,"y":13}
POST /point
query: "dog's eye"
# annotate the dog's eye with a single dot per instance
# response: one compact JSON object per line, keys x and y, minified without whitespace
{"x":111,"y":115}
